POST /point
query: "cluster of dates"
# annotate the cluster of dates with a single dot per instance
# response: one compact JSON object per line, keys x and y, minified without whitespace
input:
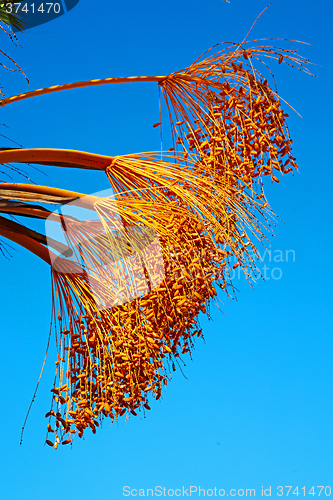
{"x":229,"y":131}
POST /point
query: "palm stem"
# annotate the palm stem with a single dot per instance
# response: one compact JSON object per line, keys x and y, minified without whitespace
{"x":15,"y":227}
{"x":45,"y":194}
{"x":77,"y":85}
{"x":27,"y":242}
{"x":32,"y":211}
{"x":56,"y":157}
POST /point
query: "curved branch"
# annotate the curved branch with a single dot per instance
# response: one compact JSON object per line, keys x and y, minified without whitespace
{"x":29,"y":243}
{"x":32,"y":211}
{"x":56,"y":157}
{"x":77,"y":85}
{"x":15,"y":227}
{"x":45,"y":194}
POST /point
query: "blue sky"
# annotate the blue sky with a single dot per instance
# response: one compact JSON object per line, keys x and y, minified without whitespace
{"x":256,"y":407}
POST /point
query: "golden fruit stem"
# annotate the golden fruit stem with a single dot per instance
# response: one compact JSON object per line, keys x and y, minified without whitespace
{"x":77,"y":85}
{"x":56,"y":157}
{"x":24,"y":191}
{"x":100,"y":81}
{"x":30,"y":244}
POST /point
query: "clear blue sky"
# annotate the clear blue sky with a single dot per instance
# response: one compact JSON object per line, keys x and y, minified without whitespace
{"x":256,"y":408}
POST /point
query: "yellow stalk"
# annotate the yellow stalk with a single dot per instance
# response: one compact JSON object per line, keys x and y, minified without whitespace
{"x":27,"y":242}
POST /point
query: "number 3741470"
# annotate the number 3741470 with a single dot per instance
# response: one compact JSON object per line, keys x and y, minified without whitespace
{"x":43,"y":8}
{"x":296,"y":490}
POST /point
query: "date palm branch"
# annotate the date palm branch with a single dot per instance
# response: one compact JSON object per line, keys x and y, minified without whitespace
{"x":122,"y":314}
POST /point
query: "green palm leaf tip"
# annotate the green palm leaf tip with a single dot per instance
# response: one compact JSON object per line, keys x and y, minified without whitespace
{"x":13,"y":19}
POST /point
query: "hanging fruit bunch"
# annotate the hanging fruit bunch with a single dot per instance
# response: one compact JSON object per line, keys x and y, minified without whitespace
{"x":175,"y":226}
